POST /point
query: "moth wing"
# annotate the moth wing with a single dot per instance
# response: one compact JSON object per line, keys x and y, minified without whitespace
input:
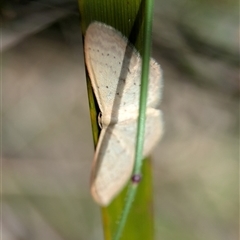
{"x":154,"y":129}
{"x":114,"y":67}
{"x":112,"y":165}
{"x":114,"y":156}
{"x":131,"y":92}
{"x":105,"y":49}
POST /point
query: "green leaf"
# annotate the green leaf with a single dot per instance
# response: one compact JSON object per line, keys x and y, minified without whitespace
{"x":127,"y":17}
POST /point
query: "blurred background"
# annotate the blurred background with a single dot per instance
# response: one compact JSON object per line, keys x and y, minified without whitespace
{"x":47,"y":145}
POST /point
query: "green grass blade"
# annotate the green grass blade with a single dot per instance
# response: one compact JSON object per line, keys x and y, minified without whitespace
{"x":127,"y":17}
{"x":142,"y":116}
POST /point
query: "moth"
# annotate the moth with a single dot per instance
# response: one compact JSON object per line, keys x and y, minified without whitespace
{"x":114,"y":68}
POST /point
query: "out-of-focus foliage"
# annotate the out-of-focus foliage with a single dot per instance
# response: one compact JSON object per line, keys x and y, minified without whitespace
{"x":46,"y":135}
